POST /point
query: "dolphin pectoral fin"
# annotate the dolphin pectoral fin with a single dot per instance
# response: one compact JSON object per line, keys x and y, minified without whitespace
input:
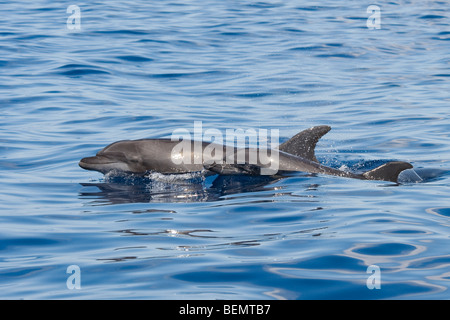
{"x":214,"y":167}
{"x":304,"y":143}
{"x":388,"y":171}
{"x":232,"y":169}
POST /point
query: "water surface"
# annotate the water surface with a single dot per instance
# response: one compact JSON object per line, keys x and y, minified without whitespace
{"x":142,"y":69}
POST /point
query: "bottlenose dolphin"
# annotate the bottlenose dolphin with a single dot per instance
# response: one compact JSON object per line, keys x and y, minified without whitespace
{"x":296,"y":154}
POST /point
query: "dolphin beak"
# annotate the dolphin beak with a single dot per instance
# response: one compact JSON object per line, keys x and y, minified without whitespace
{"x":89,"y":163}
{"x":95,"y":163}
{"x":103,"y":163}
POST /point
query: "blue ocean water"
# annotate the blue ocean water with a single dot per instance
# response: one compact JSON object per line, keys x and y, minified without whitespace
{"x":141,"y":69}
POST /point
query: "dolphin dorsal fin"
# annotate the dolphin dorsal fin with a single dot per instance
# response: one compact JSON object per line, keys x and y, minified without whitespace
{"x":304,"y":143}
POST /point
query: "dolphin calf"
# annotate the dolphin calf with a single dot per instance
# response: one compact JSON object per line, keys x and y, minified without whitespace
{"x":296,"y":154}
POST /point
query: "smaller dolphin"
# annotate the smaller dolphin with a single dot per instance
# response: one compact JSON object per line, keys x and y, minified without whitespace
{"x":296,"y":154}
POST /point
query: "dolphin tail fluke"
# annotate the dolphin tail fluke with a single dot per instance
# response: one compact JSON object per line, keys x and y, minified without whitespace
{"x":304,"y":143}
{"x":388,"y":171}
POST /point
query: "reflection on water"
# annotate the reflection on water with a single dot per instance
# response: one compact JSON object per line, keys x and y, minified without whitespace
{"x":126,"y":189}
{"x":196,"y":187}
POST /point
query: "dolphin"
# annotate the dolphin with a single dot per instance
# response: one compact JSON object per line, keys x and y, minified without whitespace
{"x":296,"y":154}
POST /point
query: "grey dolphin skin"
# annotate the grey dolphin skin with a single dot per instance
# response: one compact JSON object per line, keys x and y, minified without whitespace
{"x":296,"y":154}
